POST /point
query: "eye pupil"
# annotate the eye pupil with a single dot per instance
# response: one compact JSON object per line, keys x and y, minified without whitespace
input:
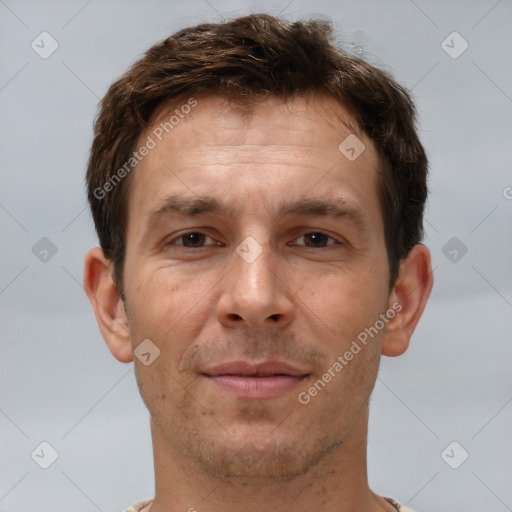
{"x":316,"y":238}
{"x":193,"y":239}
{"x":313,"y":239}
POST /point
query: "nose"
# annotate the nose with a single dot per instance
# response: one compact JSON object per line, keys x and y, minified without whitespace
{"x":254,"y":292}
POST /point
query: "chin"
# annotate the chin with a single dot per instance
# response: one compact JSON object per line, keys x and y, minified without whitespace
{"x":248,"y":462}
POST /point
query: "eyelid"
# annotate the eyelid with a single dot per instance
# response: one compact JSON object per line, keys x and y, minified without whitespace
{"x":335,"y":241}
{"x":309,"y":231}
{"x":184,"y":233}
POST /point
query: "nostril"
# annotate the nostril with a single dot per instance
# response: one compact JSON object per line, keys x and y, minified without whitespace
{"x":274,"y":317}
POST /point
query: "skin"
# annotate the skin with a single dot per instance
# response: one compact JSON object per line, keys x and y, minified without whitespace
{"x":304,"y":300}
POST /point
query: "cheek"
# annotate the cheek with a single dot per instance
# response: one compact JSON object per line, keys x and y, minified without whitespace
{"x":343,"y":302}
{"x":171,"y":310}
{"x":163,"y":297}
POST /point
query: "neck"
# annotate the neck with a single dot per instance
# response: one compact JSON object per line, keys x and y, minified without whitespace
{"x":338,"y":483}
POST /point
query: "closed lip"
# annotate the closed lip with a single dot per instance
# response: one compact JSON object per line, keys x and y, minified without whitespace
{"x":247,"y":369}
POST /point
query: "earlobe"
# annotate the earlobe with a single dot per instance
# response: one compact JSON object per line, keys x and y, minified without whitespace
{"x":107,"y":304}
{"x":408,"y":298}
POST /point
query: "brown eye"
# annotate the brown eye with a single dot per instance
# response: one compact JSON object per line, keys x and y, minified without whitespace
{"x":192,"y":239}
{"x":316,"y":239}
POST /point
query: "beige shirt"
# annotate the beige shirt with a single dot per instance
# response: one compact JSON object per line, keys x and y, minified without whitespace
{"x":143,"y":506}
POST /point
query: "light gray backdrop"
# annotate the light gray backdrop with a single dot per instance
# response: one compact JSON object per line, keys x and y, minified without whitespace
{"x":58,"y":382}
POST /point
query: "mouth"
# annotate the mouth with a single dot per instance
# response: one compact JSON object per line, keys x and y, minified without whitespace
{"x":264,"y":380}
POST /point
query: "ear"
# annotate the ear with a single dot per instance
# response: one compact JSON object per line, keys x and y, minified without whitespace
{"x":408,"y":299}
{"x":107,"y":304}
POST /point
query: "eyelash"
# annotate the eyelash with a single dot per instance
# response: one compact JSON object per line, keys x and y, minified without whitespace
{"x":172,"y":242}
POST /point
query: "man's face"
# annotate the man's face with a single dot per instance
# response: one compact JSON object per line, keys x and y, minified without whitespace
{"x":303,"y":284}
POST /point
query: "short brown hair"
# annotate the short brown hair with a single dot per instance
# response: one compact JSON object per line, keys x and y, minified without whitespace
{"x":250,"y":57}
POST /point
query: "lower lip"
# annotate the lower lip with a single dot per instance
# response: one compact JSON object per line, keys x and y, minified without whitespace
{"x":257,"y":387}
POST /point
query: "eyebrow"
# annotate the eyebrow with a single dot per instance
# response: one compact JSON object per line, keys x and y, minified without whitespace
{"x":197,"y":205}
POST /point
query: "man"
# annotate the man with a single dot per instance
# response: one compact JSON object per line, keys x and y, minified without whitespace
{"x":258,"y":196}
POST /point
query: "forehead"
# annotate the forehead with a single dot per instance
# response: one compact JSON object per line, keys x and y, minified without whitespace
{"x":257,"y":121}
{"x":277,"y":147}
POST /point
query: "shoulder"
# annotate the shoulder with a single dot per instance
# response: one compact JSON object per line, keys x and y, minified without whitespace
{"x":139,"y":506}
{"x":398,"y":506}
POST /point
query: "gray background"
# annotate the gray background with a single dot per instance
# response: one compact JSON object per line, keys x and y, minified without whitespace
{"x":59,"y":383}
